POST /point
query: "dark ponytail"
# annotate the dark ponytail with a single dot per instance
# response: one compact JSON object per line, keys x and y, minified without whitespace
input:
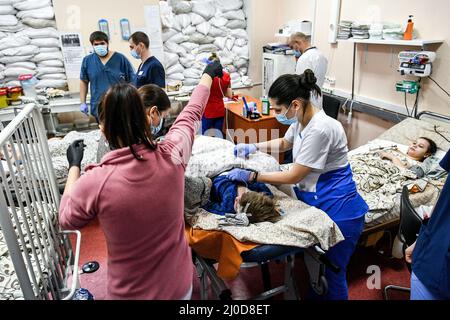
{"x":289,"y":87}
{"x":153,"y":95}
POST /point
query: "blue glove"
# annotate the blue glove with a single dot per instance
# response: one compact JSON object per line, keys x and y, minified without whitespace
{"x":243,"y":150}
{"x":84,"y":108}
{"x":239,"y":175}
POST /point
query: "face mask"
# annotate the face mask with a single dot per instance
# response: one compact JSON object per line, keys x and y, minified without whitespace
{"x":297,"y":54}
{"x":135,"y":54}
{"x":284,"y":120}
{"x":156,"y":130}
{"x":101,"y":50}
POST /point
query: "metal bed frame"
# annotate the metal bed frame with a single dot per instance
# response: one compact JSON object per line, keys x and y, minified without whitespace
{"x":29,"y":204}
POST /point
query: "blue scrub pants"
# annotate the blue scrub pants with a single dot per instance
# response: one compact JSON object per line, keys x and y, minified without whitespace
{"x":419,"y":291}
{"x":212,"y":127}
{"x":340,"y":255}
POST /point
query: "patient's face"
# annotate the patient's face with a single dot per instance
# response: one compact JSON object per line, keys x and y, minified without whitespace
{"x":419,"y":149}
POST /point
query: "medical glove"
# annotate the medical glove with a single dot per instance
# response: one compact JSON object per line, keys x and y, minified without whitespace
{"x":243,"y":150}
{"x":214,"y":69}
{"x":75,"y":153}
{"x":238,"y":220}
{"x":84,"y":108}
{"x":239,"y":175}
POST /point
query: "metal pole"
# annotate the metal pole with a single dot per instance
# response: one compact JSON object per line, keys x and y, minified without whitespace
{"x":354,"y":68}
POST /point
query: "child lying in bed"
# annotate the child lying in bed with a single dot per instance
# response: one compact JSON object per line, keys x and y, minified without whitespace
{"x":419,"y":159}
{"x":222,"y":196}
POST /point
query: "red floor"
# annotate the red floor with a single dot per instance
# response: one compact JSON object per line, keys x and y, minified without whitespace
{"x":248,"y":284}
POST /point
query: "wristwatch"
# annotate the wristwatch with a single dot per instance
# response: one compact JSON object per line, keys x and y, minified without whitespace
{"x":255,"y":177}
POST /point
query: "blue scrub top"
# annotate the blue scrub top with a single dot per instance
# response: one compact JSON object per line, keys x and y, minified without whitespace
{"x":150,"y":72}
{"x":431,"y":256}
{"x":101,"y":77}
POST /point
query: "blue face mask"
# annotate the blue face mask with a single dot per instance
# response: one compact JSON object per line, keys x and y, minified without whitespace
{"x":297,"y":54}
{"x":156,"y":130}
{"x":135,"y":54}
{"x":101,"y":50}
{"x":285,"y":120}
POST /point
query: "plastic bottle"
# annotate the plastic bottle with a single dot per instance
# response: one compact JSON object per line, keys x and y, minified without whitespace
{"x":28,"y":83}
{"x":265,"y":106}
{"x":82,"y":294}
{"x":408,"y":35}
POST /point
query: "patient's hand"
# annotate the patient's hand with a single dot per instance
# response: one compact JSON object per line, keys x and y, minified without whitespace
{"x":385,"y":156}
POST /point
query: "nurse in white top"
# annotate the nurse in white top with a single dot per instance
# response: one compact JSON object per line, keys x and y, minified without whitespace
{"x":309,"y":57}
{"x":321,"y":173}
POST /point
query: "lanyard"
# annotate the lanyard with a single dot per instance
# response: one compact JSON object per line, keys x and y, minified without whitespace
{"x":310,"y":48}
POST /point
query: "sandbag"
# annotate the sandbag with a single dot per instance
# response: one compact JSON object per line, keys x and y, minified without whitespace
{"x":241,"y":52}
{"x":14,"y":59}
{"x":228,"y":5}
{"x":2,"y":76}
{"x":218,"y":21}
{"x":166,"y":14}
{"x":54,"y":76}
{"x":12,"y":83}
{"x":181,"y":21}
{"x":20,"y":51}
{"x":170,"y":59}
{"x":16,"y":72}
{"x":176,"y":77}
{"x":192,"y":73}
{"x":31,"y":4}
{"x":14,"y":41}
{"x":174,"y":48}
{"x":189,"y":30}
{"x":49,"y":70}
{"x":217,"y":32}
{"x":168,"y":33}
{"x":187,"y":62}
{"x":39,"y":23}
{"x":48,"y":56}
{"x":7,"y":9}
{"x":240,"y":62}
{"x":13,"y":28}
{"x":45,"y":42}
{"x":230,"y":43}
{"x":189,"y":46}
{"x":204,"y":8}
{"x":51,"y":63}
{"x":49,"y":83}
{"x":236,"y":24}
{"x":178,"y":38}
{"x":3,"y":35}
{"x":196,"y":19}
{"x":34,"y":33}
{"x":191,"y":81}
{"x":234,"y":15}
{"x":201,"y":57}
{"x":200,"y":38}
{"x":207,"y":48}
{"x":204,"y":28}
{"x":220,"y":42}
{"x":8,"y":20}
{"x":42,"y":13}
{"x":239,"y":33}
{"x":174,"y":69}
{"x":182,"y":7}
{"x":2,"y":67}
{"x":241,"y":42}
{"x":49,"y":49}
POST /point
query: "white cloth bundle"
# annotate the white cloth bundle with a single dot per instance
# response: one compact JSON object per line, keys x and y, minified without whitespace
{"x":14,"y":41}
{"x":176,"y":76}
{"x":20,"y":51}
{"x":7,"y":9}
{"x":34,"y":33}
{"x":26,"y":65}
{"x":14,"y":59}
{"x":234,"y":15}
{"x":49,"y":70}
{"x":196,"y":19}
{"x":50,"y":63}
{"x":217,"y":32}
{"x":189,"y":30}
{"x":54,"y":76}
{"x":228,"y":5}
{"x":39,"y":23}
{"x":189,"y":46}
{"x":42,"y":13}
{"x":174,"y":69}
{"x":8,"y":20}
{"x":170,"y":59}
{"x":174,"y":48}
{"x":16,"y":72}
{"x":204,"y":28}
{"x":218,"y":21}
{"x":178,"y":38}
{"x":50,"y":83}
{"x":48,"y":56}
{"x":168,"y":33}
{"x":236,"y":24}
{"x":31,"y":4}
{"x":45,"y":42}
{"x":204,"y":8}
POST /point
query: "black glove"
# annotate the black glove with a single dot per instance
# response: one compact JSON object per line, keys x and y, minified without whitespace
{"x":214,"y":69}
{"x":75,"y":153}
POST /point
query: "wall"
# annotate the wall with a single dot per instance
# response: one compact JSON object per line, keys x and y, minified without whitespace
{"x":84,"y":15}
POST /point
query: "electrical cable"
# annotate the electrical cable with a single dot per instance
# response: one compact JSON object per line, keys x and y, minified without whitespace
{"x":440,"y":133}
{"x":406,"y":105}
{"x":439,"y":85}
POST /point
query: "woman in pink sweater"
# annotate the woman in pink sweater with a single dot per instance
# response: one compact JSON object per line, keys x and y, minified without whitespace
{"x":137,"y":194}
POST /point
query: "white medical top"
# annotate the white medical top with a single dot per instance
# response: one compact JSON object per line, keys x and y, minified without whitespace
{"x":314,"y":59}
{"x":321,"y":145}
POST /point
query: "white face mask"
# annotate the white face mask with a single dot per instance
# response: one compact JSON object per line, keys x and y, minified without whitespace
{"x":101,"y":50}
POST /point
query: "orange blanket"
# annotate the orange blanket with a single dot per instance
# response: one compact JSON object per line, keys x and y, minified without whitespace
{"x":219,"y":246}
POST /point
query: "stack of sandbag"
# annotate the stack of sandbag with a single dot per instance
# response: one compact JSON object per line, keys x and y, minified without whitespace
{"x":193,"y":30}
{"x":34,"y":47}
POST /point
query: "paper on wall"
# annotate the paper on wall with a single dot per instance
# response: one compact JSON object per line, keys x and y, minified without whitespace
{"x":73,"y":53}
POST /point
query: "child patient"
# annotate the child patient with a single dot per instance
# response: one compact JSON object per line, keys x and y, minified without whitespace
{"x":222,"y":196}
{"x":419,"y":159}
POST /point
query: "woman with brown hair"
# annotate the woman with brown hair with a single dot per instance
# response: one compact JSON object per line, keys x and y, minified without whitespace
{"x":136,"y":192}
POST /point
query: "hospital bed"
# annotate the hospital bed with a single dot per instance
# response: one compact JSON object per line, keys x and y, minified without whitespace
{"x":427,"y":124}
{"x":37,"y":260}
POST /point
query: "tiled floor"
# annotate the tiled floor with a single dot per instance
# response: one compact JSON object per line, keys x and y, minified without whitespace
{"x":249,"y":283}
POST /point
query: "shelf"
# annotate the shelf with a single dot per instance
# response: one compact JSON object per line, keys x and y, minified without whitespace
{"x":414,"y":43}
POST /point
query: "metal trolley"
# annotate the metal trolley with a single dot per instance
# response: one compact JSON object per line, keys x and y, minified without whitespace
{"x":45,"y":264}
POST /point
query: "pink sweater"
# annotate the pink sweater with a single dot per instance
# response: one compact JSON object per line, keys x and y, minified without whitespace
{"x":140,"y":206}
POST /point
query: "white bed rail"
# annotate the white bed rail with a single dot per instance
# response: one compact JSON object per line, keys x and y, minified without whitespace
{"x":40,"y":252}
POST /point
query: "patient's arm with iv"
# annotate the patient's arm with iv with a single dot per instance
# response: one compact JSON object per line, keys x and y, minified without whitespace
{"x":276,"y":145}
{"x":296,"y":174}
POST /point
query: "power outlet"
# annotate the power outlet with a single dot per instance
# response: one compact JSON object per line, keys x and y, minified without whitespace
{"x":330,"y":80}
{"x":327,"y":90}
